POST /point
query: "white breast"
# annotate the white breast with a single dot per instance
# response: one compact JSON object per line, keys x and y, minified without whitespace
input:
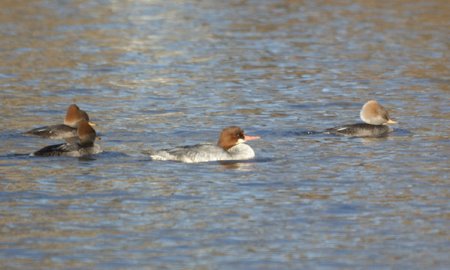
{"x":241,"y":152}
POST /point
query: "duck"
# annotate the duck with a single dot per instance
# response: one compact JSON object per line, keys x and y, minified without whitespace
{"x":375,"y":122}
{"x":83,"y":146}
{"x":230,"y":146}
{"x":68,"y":129}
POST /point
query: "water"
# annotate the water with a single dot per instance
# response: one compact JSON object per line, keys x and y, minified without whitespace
{"x":155,"y":74}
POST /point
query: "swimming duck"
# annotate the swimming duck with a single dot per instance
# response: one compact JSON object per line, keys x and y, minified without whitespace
{"x":83,"y":146}
{"x":230,"y":146}
{"x":375,"y":118}
{"x":63,"y":131}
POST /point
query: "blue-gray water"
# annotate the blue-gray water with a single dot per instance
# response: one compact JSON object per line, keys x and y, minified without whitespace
{"x":154,"y":74}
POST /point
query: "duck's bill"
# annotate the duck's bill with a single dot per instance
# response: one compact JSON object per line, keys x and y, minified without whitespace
{"x":251,"y":138}
{"x":390,"y":121}
{"x":92,"y":124}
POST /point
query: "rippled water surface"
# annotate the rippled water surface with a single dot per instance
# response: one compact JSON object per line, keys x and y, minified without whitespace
{"x":155,"y":74}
